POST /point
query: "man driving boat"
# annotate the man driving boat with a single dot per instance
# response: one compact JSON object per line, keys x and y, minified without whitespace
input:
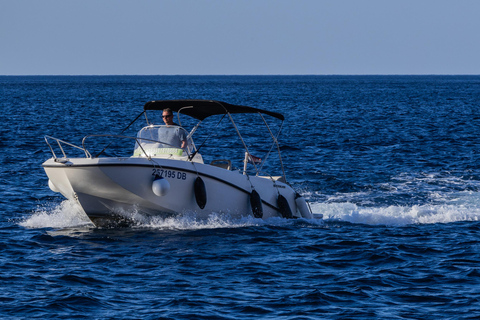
{"x":178,"y":138}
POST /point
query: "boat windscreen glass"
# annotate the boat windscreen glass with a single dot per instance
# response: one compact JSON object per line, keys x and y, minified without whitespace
{"x":163,"y":139}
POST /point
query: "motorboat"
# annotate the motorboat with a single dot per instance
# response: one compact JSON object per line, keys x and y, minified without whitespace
{"x":160,"y":178}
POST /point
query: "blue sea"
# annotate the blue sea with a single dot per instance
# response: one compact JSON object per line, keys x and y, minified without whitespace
{"x":392,"y":163}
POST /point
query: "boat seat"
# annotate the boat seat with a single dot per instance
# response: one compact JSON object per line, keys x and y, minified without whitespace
{"x":157,"y":151}
{"x":222,"y":163}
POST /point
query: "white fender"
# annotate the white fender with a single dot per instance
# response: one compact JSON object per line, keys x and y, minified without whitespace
{"x":302,"y":207}
{"x":160,"y":186}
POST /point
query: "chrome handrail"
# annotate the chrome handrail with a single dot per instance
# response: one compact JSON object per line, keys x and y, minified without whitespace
{"x":60,"y":142}
{"x":84,"y":149}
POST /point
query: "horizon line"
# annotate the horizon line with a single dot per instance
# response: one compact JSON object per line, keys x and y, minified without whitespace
{"x":237,"y":75}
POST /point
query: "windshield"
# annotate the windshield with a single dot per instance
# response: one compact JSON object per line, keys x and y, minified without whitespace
{"x":162,"y":139}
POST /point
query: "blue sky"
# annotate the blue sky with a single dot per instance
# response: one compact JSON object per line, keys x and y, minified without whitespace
{"x":170,"y":37}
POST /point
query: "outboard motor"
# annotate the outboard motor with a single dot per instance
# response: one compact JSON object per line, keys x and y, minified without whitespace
{"x":302,"y":206}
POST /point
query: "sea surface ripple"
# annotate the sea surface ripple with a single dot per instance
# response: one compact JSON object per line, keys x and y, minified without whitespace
{"x":390,"y":161}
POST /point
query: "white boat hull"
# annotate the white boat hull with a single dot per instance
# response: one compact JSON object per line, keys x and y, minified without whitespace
{"x":112,"y":188}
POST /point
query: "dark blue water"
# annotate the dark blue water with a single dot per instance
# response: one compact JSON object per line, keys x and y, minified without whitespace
{"x":392,"y":162}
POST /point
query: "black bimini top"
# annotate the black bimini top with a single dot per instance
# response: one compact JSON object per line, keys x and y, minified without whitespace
{"x":201,"y":109}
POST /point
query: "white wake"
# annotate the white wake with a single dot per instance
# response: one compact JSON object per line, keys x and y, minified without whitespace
{"x":462,"y":206}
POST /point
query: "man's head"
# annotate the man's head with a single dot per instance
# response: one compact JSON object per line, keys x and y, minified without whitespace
{"x":167,"y":116}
